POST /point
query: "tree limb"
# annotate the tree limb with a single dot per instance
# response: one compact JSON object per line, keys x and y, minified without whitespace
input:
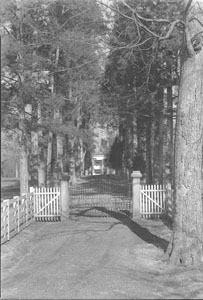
{"x":137,"y":19}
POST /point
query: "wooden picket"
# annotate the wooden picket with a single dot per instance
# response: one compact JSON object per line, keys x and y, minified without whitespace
{"x":47,"y":203}
{"x":152,"y":201}
{"x":16,"y":214}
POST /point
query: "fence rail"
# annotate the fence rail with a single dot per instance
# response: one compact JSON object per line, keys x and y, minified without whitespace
{"x":152,"y":201}
{"x":47,"y":203}
{"x":16,"y":214}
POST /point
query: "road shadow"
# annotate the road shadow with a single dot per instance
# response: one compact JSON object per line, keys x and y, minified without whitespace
{"x":140,"y":231}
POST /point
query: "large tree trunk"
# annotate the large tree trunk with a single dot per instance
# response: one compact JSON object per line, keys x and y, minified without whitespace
{"x":73,"y":176}
{"x":134,"y":143}
{"x":82,"y":158}
{"x":49,"y":158}
{"x":24,"y":176}
{"x":41,"y":153}
{"x":24,"y":173}
{"x":149,"y":151}
{"x":186,"y":246}
{"x":161,"y":136}
{"x":50,"y":174}
{"x":59,"y":143}
{"x":170,"y":133}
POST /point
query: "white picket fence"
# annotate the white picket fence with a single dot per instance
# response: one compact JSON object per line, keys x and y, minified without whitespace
{"x":47,"y":203}
{"x":16,"y":214}
{"x":43,"y":204}
{"x":154,"y":200}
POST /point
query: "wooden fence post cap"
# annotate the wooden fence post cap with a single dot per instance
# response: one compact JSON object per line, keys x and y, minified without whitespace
{"x":136,"y":174}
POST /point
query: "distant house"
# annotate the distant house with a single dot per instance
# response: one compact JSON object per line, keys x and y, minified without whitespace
{"x":103,"y":140}
{"x":98,"y":164}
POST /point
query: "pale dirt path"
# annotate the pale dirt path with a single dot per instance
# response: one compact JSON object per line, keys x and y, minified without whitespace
{"x":87,"y":259}
{"x":94,"y":258}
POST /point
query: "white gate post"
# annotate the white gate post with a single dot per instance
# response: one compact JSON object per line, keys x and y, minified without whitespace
{"x":65,"y":197}
{"x":136,"y":176}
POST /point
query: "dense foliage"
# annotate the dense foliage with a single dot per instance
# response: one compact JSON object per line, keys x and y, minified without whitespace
{"x":50,"y":70}
{"x":138,"y":91}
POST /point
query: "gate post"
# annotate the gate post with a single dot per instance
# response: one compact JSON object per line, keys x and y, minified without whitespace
{"x":65,"y":197}
{"x":136,"y":176}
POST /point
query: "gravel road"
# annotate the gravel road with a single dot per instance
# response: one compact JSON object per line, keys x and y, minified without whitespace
{"x":93,"y":258}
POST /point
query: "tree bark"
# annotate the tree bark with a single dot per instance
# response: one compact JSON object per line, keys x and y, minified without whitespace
{"x":186,"y":245}
{"x":55,"y":115}
{"x":49,"y":157}
{"x":148,"y":151}
{"x":73,"y":176}
{"x":41,"y":152}
{"x":161,"y":136}
{"x":82,"y":158}
{"x":59,"y":142}
{"x":24,"y":176}
{"x":23,"y":142}
{"x":170,"y":132}
{"x":41,"y":174}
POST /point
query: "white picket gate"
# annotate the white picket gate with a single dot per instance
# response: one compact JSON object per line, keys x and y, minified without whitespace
{"x":47,"y":203}
{"x":152,"y":201}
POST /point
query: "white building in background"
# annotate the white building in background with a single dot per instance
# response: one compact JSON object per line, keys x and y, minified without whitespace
{"x":98,"y":164}
{"x":103,"y":140}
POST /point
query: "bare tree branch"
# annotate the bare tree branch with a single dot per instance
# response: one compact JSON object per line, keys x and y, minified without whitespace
{"x":137,"y":19}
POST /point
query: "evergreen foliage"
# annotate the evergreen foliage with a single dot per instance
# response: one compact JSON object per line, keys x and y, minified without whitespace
{"x":50,"y":74}
{"x":138,"y":71}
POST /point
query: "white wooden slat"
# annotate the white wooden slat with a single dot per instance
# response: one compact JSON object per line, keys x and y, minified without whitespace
{"x":18,"y":214}
{"x":156,"y":207}
{"x":13,"y":216}
{"x":161,"y":199}
{"x":45,"y":200}
{"x":148,"y":187}
{"x":55,"y":202}
{"x":42,"y":201}
{"x":148,"y":209}
{"x":153,"y":195}
{"x":49,"y":202}
{"x":42,"y":209}
{"x":36,"y":200}
{"x":50,"y":207}
{"x":164,"y":199}
{"x":39,"y":200}
{"x":149,"y":198}
{"x":152,"y":200}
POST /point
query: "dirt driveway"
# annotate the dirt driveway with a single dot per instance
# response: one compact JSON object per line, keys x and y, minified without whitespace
{"x":94,"y":258}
